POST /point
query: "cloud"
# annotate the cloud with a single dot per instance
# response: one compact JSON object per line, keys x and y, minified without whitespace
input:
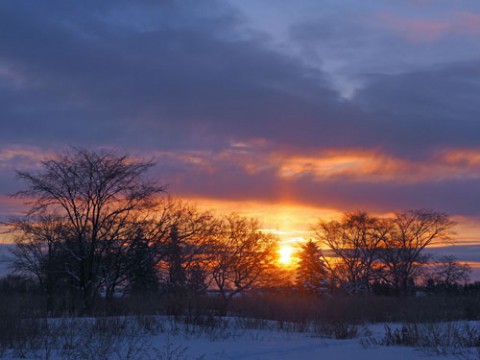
{"x":415,"y":30}
{"x":352,"y":42}
{"x":468,"y":23}
{"x":420,"y":30}
{"x":230,"y":115}
{"x":180,"y":81}
{"x":330,"y":179}
{"x":426,"y":109}
{"x":172,"y":76}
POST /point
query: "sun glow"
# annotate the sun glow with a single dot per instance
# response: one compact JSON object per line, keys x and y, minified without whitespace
{"x":285,"y":255}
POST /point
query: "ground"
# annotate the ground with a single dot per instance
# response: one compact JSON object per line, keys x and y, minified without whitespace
{"x":271,"y":344}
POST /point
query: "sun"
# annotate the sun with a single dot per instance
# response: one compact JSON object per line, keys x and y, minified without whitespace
{"x":285,"y":255}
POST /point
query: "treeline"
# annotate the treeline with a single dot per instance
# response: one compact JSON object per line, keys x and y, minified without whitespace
{"x":387,"y":255}
{"x":97,"y":227}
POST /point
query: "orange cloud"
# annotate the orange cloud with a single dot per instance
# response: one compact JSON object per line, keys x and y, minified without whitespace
{"x":467,"y":230}
{"x":282,"y":181}
{"x":372,"y":166}
{"x":463,"y":157}
{"x":353,"y":165}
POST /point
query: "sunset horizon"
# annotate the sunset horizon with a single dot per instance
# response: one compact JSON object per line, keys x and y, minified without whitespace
{"x":287,"y":113}
{"x":240,"y":179}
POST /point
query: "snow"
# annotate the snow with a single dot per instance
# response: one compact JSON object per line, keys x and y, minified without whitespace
{"x":276,"y":345}
{"x":229,"y":339}
{"x":241,"y":339}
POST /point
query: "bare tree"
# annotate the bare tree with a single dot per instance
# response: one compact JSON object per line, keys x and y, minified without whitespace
{"x":38,"y":251}
{"x":448,"y":271}
{"x":241,"y":256}
{"x":353,"y":242}
{"x":95,"y":195}
{"x":403,"y":250}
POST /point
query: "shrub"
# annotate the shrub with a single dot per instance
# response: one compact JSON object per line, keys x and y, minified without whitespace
{"x":435,"y":338}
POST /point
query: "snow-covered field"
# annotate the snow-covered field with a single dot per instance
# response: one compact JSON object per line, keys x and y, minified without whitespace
{"x":234,"y":339}
{"x":279,"y":345}
{"x":273,"y":345}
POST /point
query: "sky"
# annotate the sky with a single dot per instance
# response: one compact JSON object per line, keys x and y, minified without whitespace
{"x":289,"y":111}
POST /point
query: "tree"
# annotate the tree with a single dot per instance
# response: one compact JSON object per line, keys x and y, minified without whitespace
{"x":143,"y":258}
{"x":95,"y":196}
{"x":403,"y":249}
{"x":354,"y":242}
{"x":241,"y":256}
{"x":311,"y":270}
{"x":185,"y":240}
{"x":38,"y":251}
{"x":448,"y":272}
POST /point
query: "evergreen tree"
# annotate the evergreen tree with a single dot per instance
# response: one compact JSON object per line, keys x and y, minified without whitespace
{"x":311,"y":270}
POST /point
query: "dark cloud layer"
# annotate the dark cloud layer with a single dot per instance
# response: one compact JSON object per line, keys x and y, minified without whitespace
{"x":176,"y":76}
{"x":172,"y":83}
{"x":434,"y":108}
